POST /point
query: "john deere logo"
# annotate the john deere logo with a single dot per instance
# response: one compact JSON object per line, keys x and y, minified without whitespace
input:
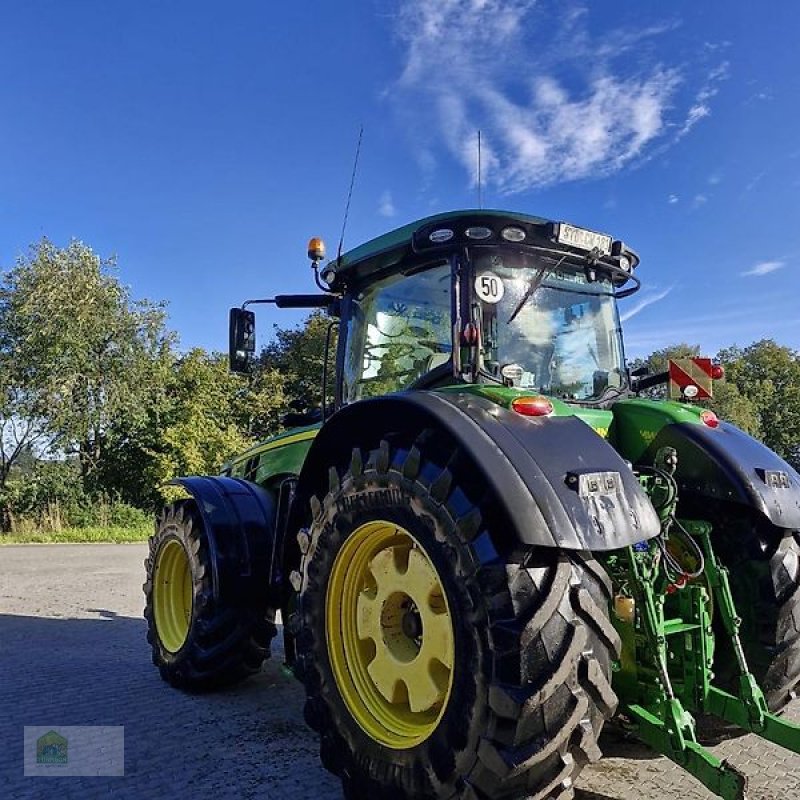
{"x":51,"y":749}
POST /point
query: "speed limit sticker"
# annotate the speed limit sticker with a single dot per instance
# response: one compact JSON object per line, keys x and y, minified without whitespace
{"x":489,"y":287}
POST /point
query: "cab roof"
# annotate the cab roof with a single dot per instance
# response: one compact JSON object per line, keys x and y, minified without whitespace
{"x":390,"y":248}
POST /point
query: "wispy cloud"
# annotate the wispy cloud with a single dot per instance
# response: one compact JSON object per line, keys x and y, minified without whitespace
{"x":701,"y":107}
{"x":539,"y":127}
{"x":699,"y":200}
{"x":673,"y":199}
{"x":764,"y":268}
{"x":643,"y":303}
{"x":386,"y":207}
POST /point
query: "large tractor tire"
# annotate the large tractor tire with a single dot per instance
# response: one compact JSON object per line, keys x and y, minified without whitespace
{"x":198,"y":644}
{"x":435,"y":667}
{"x":766,"y":591}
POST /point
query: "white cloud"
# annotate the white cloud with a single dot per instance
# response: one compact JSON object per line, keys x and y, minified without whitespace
{"x":699,"y":200}
{"x":673,"y":199}
{"x":386,"y":206}
{"x":764,"y":268}
{"x":701,"y":107}
{"x":500,"y":66}
{"x":643,"y":303}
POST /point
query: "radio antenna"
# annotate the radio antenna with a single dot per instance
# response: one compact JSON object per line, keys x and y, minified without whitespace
{"x":349,"y":195}
{"x":480,"y":197}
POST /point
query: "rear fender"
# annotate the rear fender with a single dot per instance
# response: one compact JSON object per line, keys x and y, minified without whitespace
{"x":560,"y":483}
{"x":239,"y":520}
{"x":725,"y":464}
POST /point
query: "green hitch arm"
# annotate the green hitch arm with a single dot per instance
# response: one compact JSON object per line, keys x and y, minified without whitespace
{"x":719,"y":777}
{"x":666,"y":725}
{"x":748,"y":709}
{"x":738,"y":711}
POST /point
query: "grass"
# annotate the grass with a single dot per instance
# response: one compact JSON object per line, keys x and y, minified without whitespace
{"x":117,"y":535}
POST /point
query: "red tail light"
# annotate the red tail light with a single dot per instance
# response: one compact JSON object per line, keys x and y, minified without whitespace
{"x":537,"y":406}
{"x":710,"y":418}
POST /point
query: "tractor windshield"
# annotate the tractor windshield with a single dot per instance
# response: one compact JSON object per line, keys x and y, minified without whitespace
{"x":544,"y":326}
{"x":398,"y":330}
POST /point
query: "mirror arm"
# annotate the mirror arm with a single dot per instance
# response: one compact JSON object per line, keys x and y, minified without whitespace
{"x":299,"y":301}
{"x":255,"y":302}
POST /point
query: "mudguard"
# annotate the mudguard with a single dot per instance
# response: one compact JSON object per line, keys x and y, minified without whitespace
{"x":239,"y":520}
{"x":724,"y":463}
{"x":560,"y":483}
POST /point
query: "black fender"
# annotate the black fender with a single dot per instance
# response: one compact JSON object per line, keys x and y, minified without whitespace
{"x":560,"y":483}
{"x":725,"y":464}
{"x":239,"y":520}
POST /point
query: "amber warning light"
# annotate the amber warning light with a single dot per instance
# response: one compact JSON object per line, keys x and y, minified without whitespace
{"x":316,"y":249}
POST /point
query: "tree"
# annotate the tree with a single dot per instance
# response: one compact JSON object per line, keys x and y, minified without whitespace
{"x":212,"y":415}
{"x":298,"y":354}
{"x":80,"y":352}
{"x":768,"y":376}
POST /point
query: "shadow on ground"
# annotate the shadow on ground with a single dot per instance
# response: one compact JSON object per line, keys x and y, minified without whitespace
{"x":246,"y":742}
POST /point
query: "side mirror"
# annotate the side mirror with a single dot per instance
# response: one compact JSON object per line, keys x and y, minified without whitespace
{"x":241,"y":339}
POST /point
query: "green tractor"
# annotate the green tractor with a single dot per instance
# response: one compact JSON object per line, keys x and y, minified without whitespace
{"x":487,"y":542}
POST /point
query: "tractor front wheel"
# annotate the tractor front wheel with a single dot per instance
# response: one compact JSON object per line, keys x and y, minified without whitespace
{"x":434,"y":666}
{"x":198,"y":642}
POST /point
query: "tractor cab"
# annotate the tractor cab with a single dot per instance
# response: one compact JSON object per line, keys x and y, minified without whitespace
{"x":482,"y":297}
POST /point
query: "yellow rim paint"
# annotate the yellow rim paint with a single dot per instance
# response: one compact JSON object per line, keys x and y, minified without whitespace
{"x":389,"y":635}
{"x":172,"y":595}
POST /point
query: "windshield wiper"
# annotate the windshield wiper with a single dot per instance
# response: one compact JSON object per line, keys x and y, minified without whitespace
{"x":536,"y":282}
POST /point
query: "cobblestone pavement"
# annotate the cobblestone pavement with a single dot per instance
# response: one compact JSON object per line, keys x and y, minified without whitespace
{"x":73,"y":652}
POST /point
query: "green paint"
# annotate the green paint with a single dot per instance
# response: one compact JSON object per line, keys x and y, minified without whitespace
{"x":664,"y":677}
{"x":637,"y":423}
{"x":596,"y":418}
{"x":281,"y":455}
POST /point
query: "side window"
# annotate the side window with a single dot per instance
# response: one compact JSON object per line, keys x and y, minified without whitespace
{"x":399,"y":330}
{"x":252,"y":468}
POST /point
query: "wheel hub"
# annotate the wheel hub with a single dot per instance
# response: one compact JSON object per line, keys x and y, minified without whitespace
{"x":390,"y":634}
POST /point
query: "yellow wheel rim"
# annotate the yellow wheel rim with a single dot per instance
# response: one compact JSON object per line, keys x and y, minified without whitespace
{"x":172,"y":595}
{"x":389,"y":635}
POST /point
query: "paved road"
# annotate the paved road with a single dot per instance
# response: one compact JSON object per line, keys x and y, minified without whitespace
{"x":73,"y":652}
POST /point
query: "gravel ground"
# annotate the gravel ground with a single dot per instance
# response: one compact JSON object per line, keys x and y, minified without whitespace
{"x":73,"y":652}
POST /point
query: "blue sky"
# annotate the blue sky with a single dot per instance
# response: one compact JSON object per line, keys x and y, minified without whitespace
{"x":204,"y":143}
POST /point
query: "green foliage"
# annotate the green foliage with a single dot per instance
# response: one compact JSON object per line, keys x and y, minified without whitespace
{"x":767,"y":375}
{"x":298,"y":354}
{"x":215,"y":414}
{"x":80,"y":354}
{"x":118,"y":535}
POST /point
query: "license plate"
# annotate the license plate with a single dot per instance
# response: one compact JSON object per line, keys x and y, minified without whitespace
{"x":583,"y":239}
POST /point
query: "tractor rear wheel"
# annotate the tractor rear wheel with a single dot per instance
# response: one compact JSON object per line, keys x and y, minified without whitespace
{"x":197,"y":643}
{"x":435,"y":667}
{"x":767,"y":596}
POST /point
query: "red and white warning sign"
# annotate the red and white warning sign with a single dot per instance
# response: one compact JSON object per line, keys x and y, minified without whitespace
{"x":691,"y":378}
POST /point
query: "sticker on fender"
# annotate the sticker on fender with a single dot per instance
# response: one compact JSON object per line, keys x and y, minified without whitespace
{"x":489,"y":287}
